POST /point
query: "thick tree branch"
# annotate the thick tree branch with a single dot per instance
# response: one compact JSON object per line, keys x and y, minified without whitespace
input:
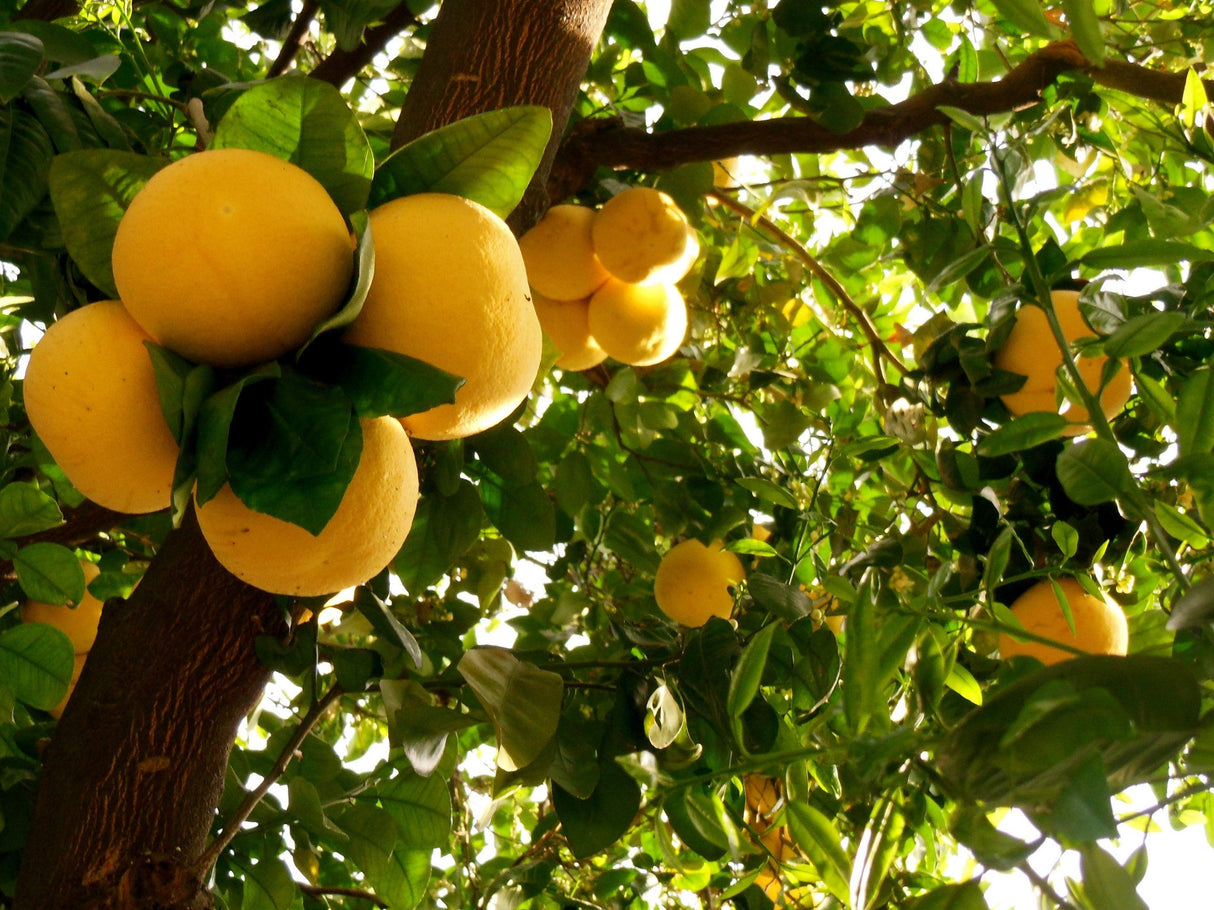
{"x":596,"y":144}
{"x":342,"y":65}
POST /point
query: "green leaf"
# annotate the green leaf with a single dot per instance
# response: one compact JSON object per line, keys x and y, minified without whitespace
{"x":523,"y":701}
{"x":1193,"y":100}
{"x":36,"y":663}
{"x":20,"y":57}
{"x":25,"y":161}
{"x":403,"y":880}
{"x":1027,"y":15}
{"x":182,"y":387}
{"x":489,"y":158}
{"x":1144,"y":334}
{"x":1193,"y":608}
{"x":49,"y":573}
{"x":215,"y":427}
{"x":1106,"y":884}
{"x":782,"y":600}
{"x":91,"y":189}
{"x":525,"y":515}
{"x":1195,"y":413}
{"x":267,"y":884}
{"x":593,"y":824}
{"x":815,"y":834}
{"x":1085,"y":29}
{"x":364,"y":273}
{"x":443,"y":529}
{"x":421,"y":808}
{"x":963,"y":896}
{"x":303,"y":801}
{"x":372,"y":837}
{"x":1082,"y":811}
{"x":1180,"y":525}
{"x":307,"y":122}
{"x":967,"y":120}
{"x":386,"y":625}
{"x":1136,"y":253}
{"x":748,"y":673}
{"x":25,"y":510}
{"x":769,"y":491}
{"x":694,"y":815}
{"x":380,"y":382}
{"x":1022,"y":433}
{"x":1094,"y":471}
{"x":1066,"y":537}
{"x":417,"y":726}
{"x":295,"y":445}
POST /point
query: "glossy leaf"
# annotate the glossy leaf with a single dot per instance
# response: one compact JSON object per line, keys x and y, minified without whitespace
{"x":25,"y":509}
{"x":36,"y":663}
{"x":20,"y":57}
{"x":1094,"y":471}
{"x":49,"y":573}
{"x":25,"y":162}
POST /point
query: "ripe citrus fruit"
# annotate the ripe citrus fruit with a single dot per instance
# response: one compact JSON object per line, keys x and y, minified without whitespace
{"x":1032,"y":351}
{"x":693,"y":581}
{"x":90,"y":394}
{"x":561,"y":264}
{"x":450,"y":288}
{"x":567,"y":323}
{"x":642,"y":236}
{"x":360,"y":539}
{"x":57,"y":711}
{"x":1100,"y":626}
{"x":638,"y":324}
{"x":231,"y":257}
{"x":79,"y":622}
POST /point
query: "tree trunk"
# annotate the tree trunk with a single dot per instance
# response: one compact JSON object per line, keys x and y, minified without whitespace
{"x":135,"y":769}
{"x":496,"y":55}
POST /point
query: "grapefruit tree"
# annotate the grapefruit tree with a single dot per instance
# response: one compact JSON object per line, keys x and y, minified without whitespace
{"x":498,"y":712}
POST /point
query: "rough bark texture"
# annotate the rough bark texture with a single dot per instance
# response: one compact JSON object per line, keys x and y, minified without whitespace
{"x":136,"y":766}
{"x":500,"y":54}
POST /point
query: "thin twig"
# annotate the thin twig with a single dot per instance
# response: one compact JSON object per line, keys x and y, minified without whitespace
{"x":294,"y":40}
{"x":316,"y":891}
{"x":342,"y":65}
{"x":879,"y":348}
{"x":1045,"y":888}
{"x":232,"y":827}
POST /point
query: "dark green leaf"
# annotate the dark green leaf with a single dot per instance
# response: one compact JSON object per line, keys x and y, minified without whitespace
{"x":1082,"y":811}
{"x":295,"y":445}
{"x":694,"y":815}
{"x":380,"y":382}
{"x":523,"y":701}
{"x":488,"y":158}
{"x":1135,"y":253}
{"x":506,"y":452}
{"x":1144,"y":334}
{"x":108,"y":129}
{"x":1022,"y":433}
{"x":25,"y":161}
{"x":525,"y":515}
{"x":182,"y":387}
{"x":36,"y":663}
{"x":91,"y":189}
{"x":593,"y":824}
{"x":49,"y":573}
{"x":1094,"y":471}
{"x":386,"y":625}
{"x":1027,"y":15}
{"x":1195,"y":414}
{"x":1106,"y":884}
{"x":768,"y":491}
{"x":782,"y":600}
{"x":964,"y":896}
{"x":815,"y":834}
{"x":307,"y":122}
{"x":989,"y":845}
{"x":356,"y":668}
{"x":1194,"y":607}
{"x":443,"y":529}
{"x":20,"y":57}
{"x":25,"y":510}
{"x":215,"y":417}
{"x":748,"y":673}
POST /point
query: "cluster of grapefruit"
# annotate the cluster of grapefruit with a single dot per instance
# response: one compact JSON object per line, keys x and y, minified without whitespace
{"x":603,"y":281}
{"x":232,"y":258}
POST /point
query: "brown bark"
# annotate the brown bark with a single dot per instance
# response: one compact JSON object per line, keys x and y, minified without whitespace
{"x":599,"y":143}
{"x":342,"y":65}
{"x":136,"y":766}
{"x":520,"y":52}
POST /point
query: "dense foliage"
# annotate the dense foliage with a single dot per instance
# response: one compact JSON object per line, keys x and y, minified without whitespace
{"x":505,"y":718}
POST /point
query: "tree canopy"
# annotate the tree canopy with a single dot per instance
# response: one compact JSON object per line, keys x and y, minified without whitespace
{"x":503,"y":717}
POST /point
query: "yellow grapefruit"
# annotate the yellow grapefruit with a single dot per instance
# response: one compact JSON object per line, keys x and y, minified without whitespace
{"x":231,"y":257}
{"x":693,"y":582}
{"x":450,"y":288}
{"x":90,"y":394}
{"x":642,"y":236}
{"x":78,"y":622}
{"x":360,"y":539}
{"x":559,"y":254}
{"x":567,"y":323}
{"x":1032,"y":351}
{"x":638,"y":324}
{"x":1100,"y":626}
{"x":57,"y":711}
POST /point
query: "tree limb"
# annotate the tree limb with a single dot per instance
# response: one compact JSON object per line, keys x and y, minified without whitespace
{"x":317,"y":891}
{"x":599,"y":143}
{"x":342,"y":65}
{"x":294,"y":40}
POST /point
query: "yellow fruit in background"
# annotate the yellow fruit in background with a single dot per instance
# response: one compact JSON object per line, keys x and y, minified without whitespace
{"x":360,"y":539}
{"x":693,"y":581}
{"x":1031,"y":350}
{"x":450,"y":288}
{"x":57,"y":711}
{"x":559,"y":254}
{"x":90,"y":394}
{"x":638,"y":324}
{"x":762,"y":796}
{"x":231,"y":257}
{"x":79,"y":622}
{"x":642,"y":236}
{"x":567,"y":323}
{"x":1100,"y":626}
